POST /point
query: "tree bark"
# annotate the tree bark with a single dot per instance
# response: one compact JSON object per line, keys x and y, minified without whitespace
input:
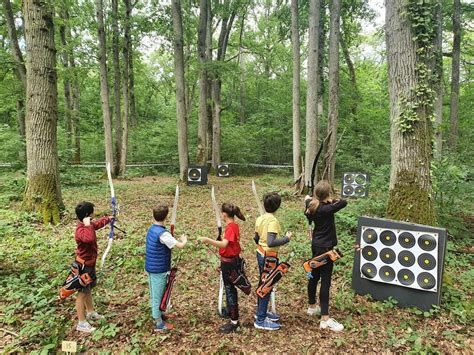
{"x":202,"y":117}
{"x":455,"y":64}
{"x":43,"y":191}
{"x":439,"y":81}
{"x":312,"y":91}
{"x":209,"y":83}
{"x":126,"y":85}
{"x":117,"y":87}
{"x":333,"y":106}
{"x":355,"y":97}
{"x":66,"y":80}
{"x":20,"y":68}
{"x":295,"y":41}
{"x":410,"y":184}
{"x":180,"y":85}
{"x":76,"y":132}
{"x":241,"y":73}
{"x":104,"y":87}
{"x":321,"y":64}
{"x":133,"y":106}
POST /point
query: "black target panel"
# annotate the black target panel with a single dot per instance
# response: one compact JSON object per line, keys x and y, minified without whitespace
{"x":197,"y":175}
{"x":399,"y":260}
{"x":355,"y":185}
{"x":223,"y":170}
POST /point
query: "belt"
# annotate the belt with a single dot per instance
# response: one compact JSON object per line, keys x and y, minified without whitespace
{"x":264,"y":252}
{"x":229,"y":260}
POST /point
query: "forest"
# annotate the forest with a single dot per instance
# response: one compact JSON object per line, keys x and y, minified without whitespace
{"x":282,"y":94}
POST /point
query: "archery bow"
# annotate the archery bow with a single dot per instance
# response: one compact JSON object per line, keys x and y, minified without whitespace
{"x":113,"y":203}
{"x":175,"y":209}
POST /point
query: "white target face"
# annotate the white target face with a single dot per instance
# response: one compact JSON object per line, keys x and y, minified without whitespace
{"x":354,"y":184}
{"x":400,"y":257}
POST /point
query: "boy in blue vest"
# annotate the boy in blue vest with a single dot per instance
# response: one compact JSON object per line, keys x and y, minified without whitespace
{"x":159,"y":243}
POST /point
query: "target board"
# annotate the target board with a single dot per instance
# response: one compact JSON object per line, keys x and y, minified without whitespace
{"x":223,"y":170}
{"x":197,"y":175}
{"x":355,"y":185}
{"x":399,"y":260}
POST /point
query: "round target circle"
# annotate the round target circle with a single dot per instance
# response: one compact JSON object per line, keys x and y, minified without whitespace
{"x":369,"y":253}
{"x":348,"y":190}
{"x":386,"y":273}
{"x":361,"y":179}
{"x":360,"y":190}
{"x":369,"y":270}
{"x":406,"y":240}
{"x":194,"y":174}
{"x":426,"y":261}
{"x":388,"y":238}
{"x":427,"y":242}
{"x":369,"y":236}
{"x":223,"y":170}
{"x":405,"y":277}
{"x":348,"y":178}
{"x":426,"y":281}
{"x":387,"y":255}
{"x":406,"y":258}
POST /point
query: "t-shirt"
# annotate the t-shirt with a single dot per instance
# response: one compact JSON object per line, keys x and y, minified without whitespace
{"x":232,"y":234}
{"x":167,"y":239}
{"x":267,"y":223}
{"x":324,"y":232}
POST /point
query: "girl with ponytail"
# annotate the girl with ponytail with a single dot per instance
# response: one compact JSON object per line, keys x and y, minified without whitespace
{"x":231,"y":264}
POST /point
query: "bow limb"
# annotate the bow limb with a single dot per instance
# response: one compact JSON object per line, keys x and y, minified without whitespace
{"x":255,"y":193}
{"x":217,"y":213}
{"x":114,"y":215}
{"x":175,"y":210}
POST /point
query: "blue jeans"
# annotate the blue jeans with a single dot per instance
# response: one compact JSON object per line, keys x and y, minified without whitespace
{"x":157,"y":289}
{"x":262,"y":303}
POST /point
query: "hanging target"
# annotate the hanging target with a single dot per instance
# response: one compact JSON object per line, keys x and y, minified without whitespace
{"x":223,"y":170}
{"x":399,"y":260}
{"x":197,"y":175}
{"x":355,"y":185}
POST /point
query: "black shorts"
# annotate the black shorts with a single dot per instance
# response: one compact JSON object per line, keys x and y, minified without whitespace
{"x":91,"y":271}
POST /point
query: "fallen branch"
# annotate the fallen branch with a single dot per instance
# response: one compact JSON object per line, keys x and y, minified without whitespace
{"x":9,"y":332}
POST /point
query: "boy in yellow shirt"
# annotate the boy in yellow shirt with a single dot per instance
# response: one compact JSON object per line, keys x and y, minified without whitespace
{"x":267,"y":230}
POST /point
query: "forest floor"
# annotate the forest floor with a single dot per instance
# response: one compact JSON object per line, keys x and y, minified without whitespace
{"x":34,"y":262}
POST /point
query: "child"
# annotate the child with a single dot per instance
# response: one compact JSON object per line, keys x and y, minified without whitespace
{"x":321,"y":210}
{"x":267,"y":230}
{"x":231,"y":263}
{"x":86,"y":254}
{"x":159,"y":243}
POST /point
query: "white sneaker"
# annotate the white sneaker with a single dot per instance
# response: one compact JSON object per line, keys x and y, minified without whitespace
{"x":332,"y":324}
{"x":314,"y":311}
{"x":94,"y":316}
{"x":85,"y":327}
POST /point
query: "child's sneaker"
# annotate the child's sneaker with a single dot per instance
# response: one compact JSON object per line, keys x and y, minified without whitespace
{"x":266,"y":325}
{"x":272,"y":317}
{"x":163,"y":327}
{"x":94,"y":316}
{"x":314,"y":311}
{"x":229,"y":327}
{"x":85,"y":327}
{"x":332,"y":324}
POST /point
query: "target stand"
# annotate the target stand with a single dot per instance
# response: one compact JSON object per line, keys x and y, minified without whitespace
{"x":399,"y":260}
{"x":355,"y":185}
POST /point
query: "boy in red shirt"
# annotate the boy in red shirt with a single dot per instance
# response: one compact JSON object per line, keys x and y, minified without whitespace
{"x":231,"y":263}
{"x":86,"y":254}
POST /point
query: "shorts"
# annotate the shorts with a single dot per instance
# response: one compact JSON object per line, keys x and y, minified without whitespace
{"x":91,"y":271}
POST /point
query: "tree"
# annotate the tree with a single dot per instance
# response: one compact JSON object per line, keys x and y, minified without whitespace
{"x":43,"y":191}
{"x":312,"y":91}
{"x":202,"y":117}
{"x":438,"y":71}
{"x":410,"y":36}
{"x":117,"y":87}
{"x":19,"y":62}
{"x":104,"y":86}
{"x":180,"y":85}
{"x":333,"y":106}
{"x":295,"y":41}
{"x":455,"y":64}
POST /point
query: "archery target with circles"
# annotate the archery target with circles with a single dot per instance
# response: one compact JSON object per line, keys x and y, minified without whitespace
{"x":400,"y":257}
{"x":197,"y":175}
{"x":223,"y":170}
{"x":355,"y":185}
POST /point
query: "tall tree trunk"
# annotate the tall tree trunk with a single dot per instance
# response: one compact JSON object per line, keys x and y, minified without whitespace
{"x":333,"y":106}
{"x":76,"y":132}
{"x":410,"y":113}
{"x":131,"y":84}
{"x":312,"y":91}
{"x":20,"y":69}
{"x":242,"y":73}
{"x":43,"y":191}
{"x":439,"y":81}
{"x":202,"y":117}
{"x":355,"y":96}
{"x":66,"y":79}
{"x":180,"y":85}
{"x":453,"y":114}
{"x":125,"y":85}
{"x":117,"y":87}
{"x":295,"y":41}
{"x":209,"y":83}
{"x":104,"y":87}
{"x":321,"y":64}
